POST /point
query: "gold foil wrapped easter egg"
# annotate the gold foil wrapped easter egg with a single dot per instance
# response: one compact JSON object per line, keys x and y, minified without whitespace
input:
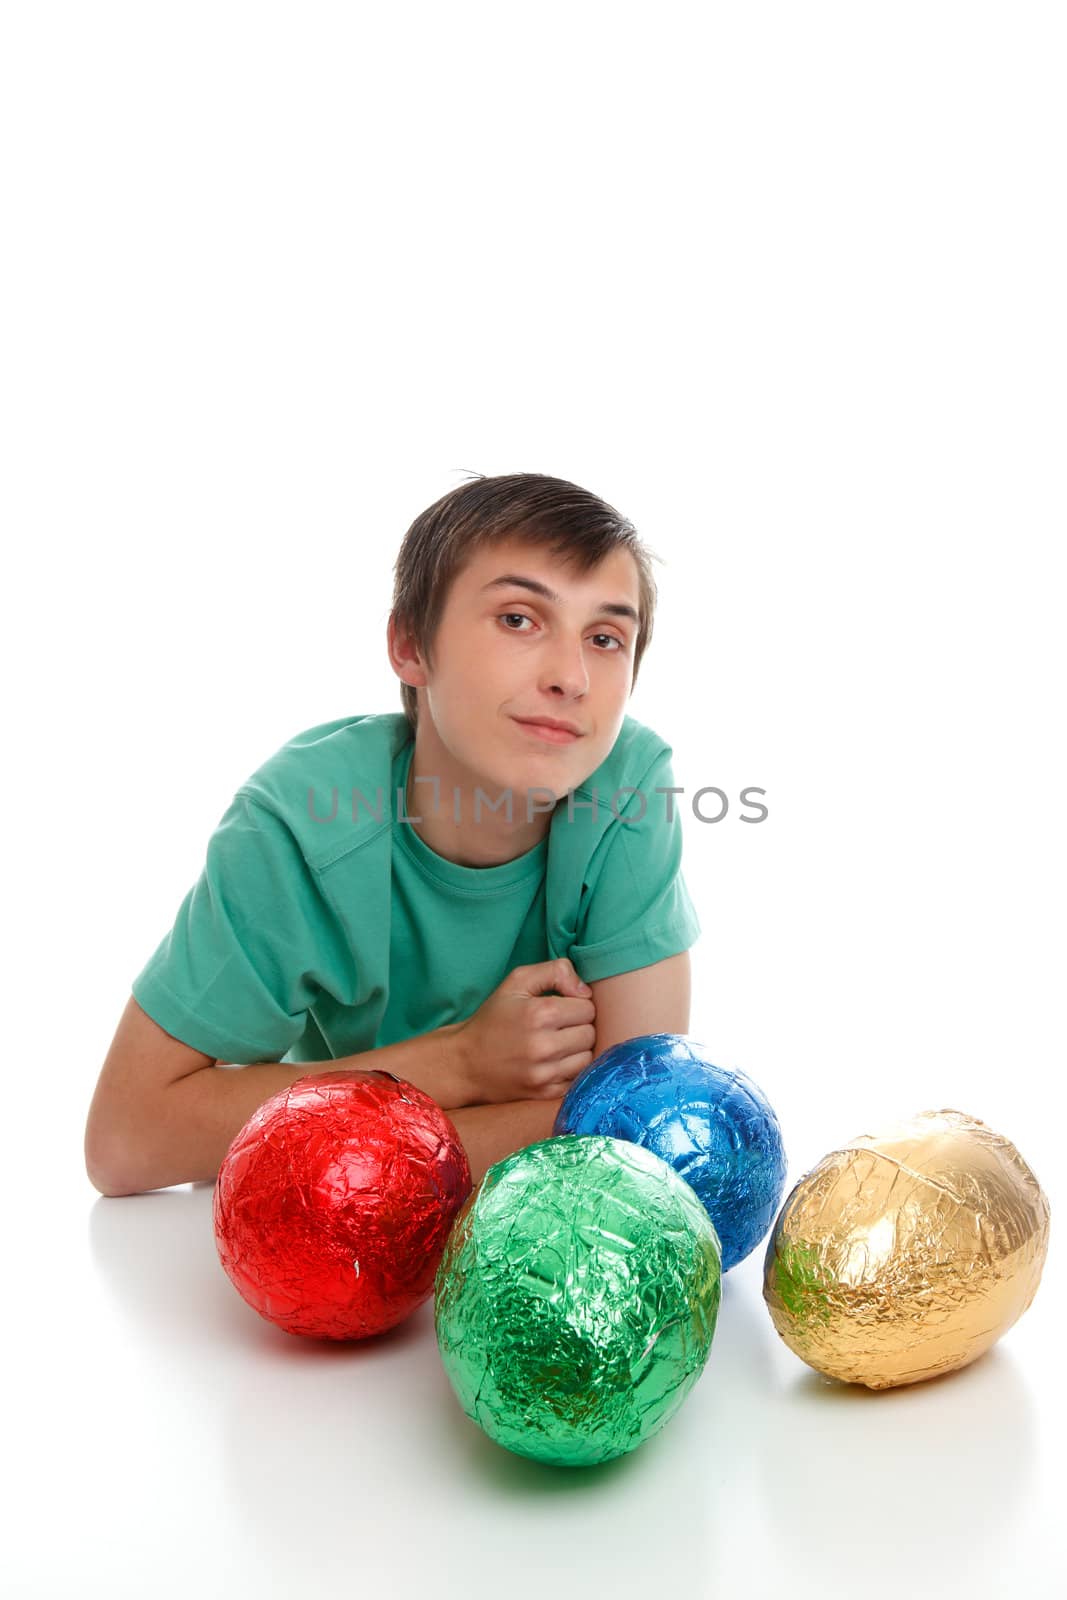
{"x":907,"y":1253}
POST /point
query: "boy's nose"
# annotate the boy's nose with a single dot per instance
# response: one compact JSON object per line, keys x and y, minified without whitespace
{"x":566,"y":672}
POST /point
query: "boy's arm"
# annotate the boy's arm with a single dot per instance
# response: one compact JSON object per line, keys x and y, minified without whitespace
{"x":164,"y":1113}
{"x":487,"y":1133}
{"x":652,"y":999}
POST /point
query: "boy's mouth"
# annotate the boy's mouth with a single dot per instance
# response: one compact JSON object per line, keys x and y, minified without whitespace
{"x":552,"y":733}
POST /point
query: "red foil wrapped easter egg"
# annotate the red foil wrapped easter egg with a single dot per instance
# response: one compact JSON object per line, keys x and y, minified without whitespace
{"x":334,"y":1202}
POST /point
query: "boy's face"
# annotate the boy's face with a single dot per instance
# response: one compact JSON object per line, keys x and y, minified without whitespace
{"x":504,"y":653}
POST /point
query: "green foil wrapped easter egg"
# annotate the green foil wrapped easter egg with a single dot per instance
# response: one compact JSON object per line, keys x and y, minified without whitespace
{"x":576,"y":1299}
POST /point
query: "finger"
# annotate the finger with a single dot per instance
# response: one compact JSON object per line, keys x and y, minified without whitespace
{"x":575,"y":984}
{"x":555,"y":975}
{"x":571,"y":1013}
{"x":570,"y":1043}
{"x":564,"y":1072}
{"x":553,"y":1091}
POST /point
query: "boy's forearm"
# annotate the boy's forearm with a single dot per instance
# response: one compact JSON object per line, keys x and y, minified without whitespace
{"x":489,"y":1133}
{"x":196,"y":1119}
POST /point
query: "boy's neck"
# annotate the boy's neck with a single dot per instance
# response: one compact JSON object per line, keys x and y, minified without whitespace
{"x":485,"y":839}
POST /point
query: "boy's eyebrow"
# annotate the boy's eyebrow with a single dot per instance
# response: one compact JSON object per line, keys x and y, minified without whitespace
{"x":614,"y":608}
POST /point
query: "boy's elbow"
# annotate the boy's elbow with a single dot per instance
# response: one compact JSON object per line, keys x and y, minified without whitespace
{"x":121,"y":1130}
{"x":111,"y":1191}
{"x":107,"y":1163}
{"x":103,"y":1173}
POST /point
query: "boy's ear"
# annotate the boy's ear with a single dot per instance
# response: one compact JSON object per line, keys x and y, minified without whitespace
{"x":404,"y":657}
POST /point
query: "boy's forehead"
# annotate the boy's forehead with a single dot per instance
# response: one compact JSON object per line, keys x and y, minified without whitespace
{"x":516,"y":557}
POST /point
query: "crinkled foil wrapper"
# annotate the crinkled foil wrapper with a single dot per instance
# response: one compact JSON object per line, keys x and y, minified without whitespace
{"x":576,"y":1299}
{"x":334,"y":1202}
{"x":908,"y":1253}
{"x":714,"y":1126}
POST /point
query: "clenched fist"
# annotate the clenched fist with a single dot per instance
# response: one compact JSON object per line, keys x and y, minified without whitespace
{"x":527,"y":1041}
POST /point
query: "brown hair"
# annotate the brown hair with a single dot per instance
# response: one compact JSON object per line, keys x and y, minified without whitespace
{"x":578,"y":525}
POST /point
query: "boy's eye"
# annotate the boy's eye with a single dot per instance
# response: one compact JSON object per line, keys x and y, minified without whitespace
{"x":520,"y":616}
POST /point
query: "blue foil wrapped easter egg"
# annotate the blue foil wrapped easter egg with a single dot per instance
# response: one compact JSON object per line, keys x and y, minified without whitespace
{"x":712,"y":1124}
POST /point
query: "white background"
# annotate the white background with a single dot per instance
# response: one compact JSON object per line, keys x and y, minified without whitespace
{"x":783,"y":283}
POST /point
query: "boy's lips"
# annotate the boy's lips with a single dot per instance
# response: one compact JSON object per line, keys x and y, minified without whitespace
{"x":551,"y":729}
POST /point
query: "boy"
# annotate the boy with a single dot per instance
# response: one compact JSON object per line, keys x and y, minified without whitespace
{"x":420,"y":892}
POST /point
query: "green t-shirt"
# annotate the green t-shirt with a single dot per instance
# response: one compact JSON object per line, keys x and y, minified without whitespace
{"x":322,"y":925}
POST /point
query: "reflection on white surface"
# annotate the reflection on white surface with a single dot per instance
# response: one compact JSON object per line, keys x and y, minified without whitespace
{"x":943,"y":1468}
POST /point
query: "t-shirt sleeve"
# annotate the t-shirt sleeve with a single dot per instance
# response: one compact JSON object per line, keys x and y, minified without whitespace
{"x":636,"y":907}
{"x":242,"y":964}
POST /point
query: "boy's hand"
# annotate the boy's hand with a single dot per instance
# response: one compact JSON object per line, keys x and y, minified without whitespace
{"x":524,"y":1042}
